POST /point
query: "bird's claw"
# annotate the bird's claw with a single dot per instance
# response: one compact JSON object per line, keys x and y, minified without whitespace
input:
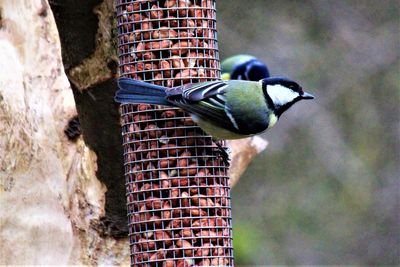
{"x":224,"y":152}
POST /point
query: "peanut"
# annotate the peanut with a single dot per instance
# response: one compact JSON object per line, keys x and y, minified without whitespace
{"x":193,"y":190}
{"x":220,"y":222}
{"x":158,"y":79}
{"x":185,"y":245}
{"x":168,"y":263}
{"x":136,"y":6}
{"x":218,"y":251}
{"x":207,"y":235}
{"x":166,"y":213}
{"x":143,"y":107}
{"x":196,"y":12}
{"x":156,"y":220}
{"x":219,"y":262}
{"x":205,"y":262}
{"x":188,"y":121}
{"x":137,"y":18}
{"x":164,"y":32}
{"x":153,"y":203}
{"x":177,"y":62}
{"x":144,"y":215}
{"x":159,"y":45}
{"x":185,"y":199}
{"x":165,"y":184}
{"x":163,"y":236}
{"x":149,"y":56}
{"x":180,"y":48}
{"x":184,"y":161}
{"x":168,"y":114}
{"x":190,"y":170}
{"x":189,"y":23}
{"x":146,"y":25}
{"x":156,"y":13}
{"x":147,"y":244}
{"x":181,"y":181}
{"x":194,"y":211}
{"x":176,"y":223}
{"x":171,"y":21}
{"x":202,"y":201}
{"x":159,"y":255}
{"x":140,"y":66}
{"x":204,"y":251}
{"x":186,"y":34}
{"x":186,"y":232}
{"x":129,"y":8}
{"x":177,"y":213}
{"x":166,"y":67}
{"x":139,"y":49}
{"x":169,"y":149}
{"x":183,"y":8}
{"x":153,"y":131}
{"x":148,"y":66}
{"x":186,"y":75}
{"x":174,"y":196}
{"x":170,"y":3}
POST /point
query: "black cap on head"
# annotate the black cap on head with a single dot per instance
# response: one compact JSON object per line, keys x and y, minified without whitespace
{"x":281,"y":93}
{"x":256,"y":70}
{"x":251,"y":70}
{"x":286,"y":82}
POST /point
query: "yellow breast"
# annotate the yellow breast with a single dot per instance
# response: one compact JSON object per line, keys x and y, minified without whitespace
{"x":225,"y":76}
{"x":272,"y":120}
{"x":218,"y":133}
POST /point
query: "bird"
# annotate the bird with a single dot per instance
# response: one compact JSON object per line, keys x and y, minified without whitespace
{"x":243,"y":67}
{"x":225,"y":110}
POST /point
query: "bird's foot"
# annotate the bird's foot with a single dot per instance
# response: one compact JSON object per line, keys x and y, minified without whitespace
{"x":224,"y":152}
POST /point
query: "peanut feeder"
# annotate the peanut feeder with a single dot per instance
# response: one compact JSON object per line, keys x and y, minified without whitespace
{"x":178,"y":195}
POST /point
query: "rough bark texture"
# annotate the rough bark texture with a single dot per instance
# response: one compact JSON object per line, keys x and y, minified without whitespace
{"x":89,"y":57}
{"x":51,"y":200}
{"x":62,"y":202}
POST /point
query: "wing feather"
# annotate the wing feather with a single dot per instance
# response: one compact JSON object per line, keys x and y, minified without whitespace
{"x":201,"y":91}
{"x":205,"y":100}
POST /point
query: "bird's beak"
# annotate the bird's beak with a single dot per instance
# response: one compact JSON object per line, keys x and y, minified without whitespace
{"x":306,"y":95}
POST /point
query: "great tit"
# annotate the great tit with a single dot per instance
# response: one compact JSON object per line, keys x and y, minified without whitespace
{"x":243,"y":67}
{"x":224,"y":109}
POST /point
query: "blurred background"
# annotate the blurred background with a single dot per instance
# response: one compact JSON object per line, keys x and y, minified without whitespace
{"x":326,"y":190}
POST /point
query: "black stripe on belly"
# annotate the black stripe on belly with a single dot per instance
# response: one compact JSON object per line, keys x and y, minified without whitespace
{"x":255,"y":123}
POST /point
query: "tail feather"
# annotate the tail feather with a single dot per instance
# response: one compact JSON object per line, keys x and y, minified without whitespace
{"x":134,"y":92}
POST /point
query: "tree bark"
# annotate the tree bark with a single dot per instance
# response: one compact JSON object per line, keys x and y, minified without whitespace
{"x":52,"y":200}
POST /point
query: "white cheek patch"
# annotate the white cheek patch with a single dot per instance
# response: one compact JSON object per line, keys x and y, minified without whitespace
{"x":281,"y":95}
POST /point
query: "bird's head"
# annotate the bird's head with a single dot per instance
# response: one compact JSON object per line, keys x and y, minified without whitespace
{"x":281,"y":93}
{"x":251,"y":70}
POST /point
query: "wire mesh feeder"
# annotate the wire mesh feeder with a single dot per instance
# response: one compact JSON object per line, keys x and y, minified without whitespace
{"x":177,"y":185}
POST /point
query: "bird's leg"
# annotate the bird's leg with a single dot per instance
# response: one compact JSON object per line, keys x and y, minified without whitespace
{"x":224,"y":152}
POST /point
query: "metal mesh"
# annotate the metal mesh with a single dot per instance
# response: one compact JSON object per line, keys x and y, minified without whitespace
{"x":177,"y":185}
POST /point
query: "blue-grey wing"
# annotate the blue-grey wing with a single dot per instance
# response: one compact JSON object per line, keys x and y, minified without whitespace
{"x":206,"y":100}
{"x":198,"y":91}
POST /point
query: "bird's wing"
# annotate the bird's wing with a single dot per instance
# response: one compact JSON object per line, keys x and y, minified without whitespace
{"x":206,"y":100}
{"x":197,"y":91}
